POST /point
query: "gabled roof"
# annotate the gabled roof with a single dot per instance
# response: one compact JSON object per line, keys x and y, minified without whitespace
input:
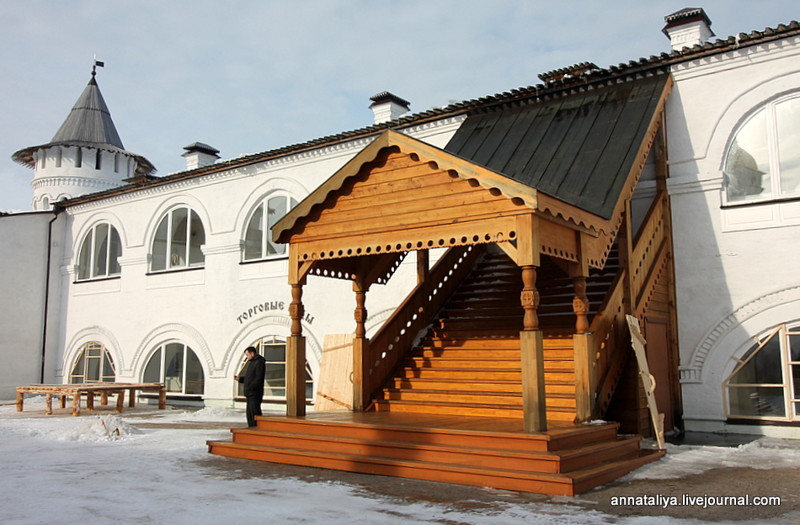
{"x":88,"y":124}
{"x":579,"y":148}
{"x":463,"y":169}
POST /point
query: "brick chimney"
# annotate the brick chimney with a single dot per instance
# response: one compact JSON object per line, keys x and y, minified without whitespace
{"x":387,"y":106}
{"x":688,"y":27}
{"x":199,"y":155}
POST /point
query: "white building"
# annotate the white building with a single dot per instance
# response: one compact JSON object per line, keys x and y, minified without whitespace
{"x":170,"y":278}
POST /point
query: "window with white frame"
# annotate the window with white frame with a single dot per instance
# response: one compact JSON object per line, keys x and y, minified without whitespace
{"x":178,"y":241}
{"x":766,"y":382}
{"x":258,"y":242}
{"x":763,"y":161}
{"x":99,"y":254}
{"x":274,"y":351}
{"x":93,"y":365}
{"x":177,"y":366}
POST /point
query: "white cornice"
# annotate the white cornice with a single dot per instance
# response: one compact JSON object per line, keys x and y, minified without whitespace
{"x":736,"y":58}
{"x":293,"y":159}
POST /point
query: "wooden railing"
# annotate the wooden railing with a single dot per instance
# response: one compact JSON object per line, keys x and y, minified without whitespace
{"x":397,"y":335}
{"x":646,"y":249}
{"x":610,"y":339}
{"x":609,"y":344}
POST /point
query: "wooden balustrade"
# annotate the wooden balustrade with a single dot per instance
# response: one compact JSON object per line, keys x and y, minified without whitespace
{"x":646,"y":248}
{"x":389,"y":345}
{"x":610,"y":342}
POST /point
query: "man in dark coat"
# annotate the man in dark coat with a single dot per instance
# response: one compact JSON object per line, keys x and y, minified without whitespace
{"x":253,"y":380}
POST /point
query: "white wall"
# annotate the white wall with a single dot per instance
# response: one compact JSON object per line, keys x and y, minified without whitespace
{"x":736,"y":268}
{"x":222,"y":308}
{"x":23,"y":268}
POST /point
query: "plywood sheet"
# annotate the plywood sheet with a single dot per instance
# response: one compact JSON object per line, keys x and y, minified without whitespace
{"x":335,"y":385}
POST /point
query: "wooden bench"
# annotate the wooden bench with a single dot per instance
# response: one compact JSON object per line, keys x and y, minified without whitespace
{"x":76,"y":391}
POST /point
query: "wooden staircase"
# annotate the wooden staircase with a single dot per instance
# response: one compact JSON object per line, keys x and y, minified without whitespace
{"x":469,"y":362}
{"x":479,"y":451}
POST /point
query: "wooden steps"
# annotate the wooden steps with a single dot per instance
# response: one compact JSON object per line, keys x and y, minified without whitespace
{"x":568,"y":460}
{"x":478,"y":376}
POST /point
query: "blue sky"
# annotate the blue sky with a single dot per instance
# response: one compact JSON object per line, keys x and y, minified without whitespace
{"x":248,"y":76}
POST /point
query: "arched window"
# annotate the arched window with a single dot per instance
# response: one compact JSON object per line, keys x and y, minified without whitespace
{"x":274,"y":351}
{"x":766,"y":382}
{"x":178,"y":241}
{"x":763,"y":161}
{"x":258,"y":237}
{"x":177,"y":366}
{"x":100,"y":251}
{"x":93,"y":365}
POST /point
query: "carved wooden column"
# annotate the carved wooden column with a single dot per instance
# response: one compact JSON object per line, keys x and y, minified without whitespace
{"x":531,"y":342}
{"x":582,"y":357}
{"x":296,"y":356}
{"x":529,"y":299}
{"x":580,"y":305}
{"x":582,"y":345}
{"x":360,"y":348}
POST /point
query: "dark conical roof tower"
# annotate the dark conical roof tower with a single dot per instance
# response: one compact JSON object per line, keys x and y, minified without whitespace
{"x":85,"y":155}
{"x":89,"y":121}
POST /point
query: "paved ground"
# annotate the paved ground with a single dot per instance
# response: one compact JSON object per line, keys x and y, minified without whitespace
{"x":716,"y":482}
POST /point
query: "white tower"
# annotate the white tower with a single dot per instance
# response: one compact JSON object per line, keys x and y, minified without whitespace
{"x":86,"y":154}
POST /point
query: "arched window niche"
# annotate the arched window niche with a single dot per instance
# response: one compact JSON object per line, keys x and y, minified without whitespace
{"x":93,"y":365}
{"x":765,"y":384}
{"x":258,"y":244}
{"x":178,"y":241}
{"x":99,"y":253}
{"x":178,"y":367}
{"x":763,"y":160}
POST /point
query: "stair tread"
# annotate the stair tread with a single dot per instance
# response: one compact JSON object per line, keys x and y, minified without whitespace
{"x":471,"y":392}
{"x":447,"y":467}
{"x":499,"y":406}
{"x":566,"y":477}
{"x":504,"y":452}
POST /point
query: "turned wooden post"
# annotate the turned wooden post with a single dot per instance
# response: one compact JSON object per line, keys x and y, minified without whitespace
{"x":296,"y":357}
{"x":534,"y":404}
{"x":360,"y":348}
{"x":20,"y":400}
{"x":132,"y":398}
{"x":48,"y":404}
{"x":580,"y":305}
{"x":583,"y":354}
{"x":529,"y":299}
{"x":90,"y":400}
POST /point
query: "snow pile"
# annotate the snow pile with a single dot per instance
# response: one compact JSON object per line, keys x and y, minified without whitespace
{"x":214,"y":414}
{"x":684,"y":460}
{"x":102,"y":428}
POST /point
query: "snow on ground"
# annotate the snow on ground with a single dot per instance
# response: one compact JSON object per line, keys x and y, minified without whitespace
{"x":98,"y":469}
{"x":764,"y":454}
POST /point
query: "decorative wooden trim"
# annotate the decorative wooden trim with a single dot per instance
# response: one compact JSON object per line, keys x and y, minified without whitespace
{"x":439,"y":159}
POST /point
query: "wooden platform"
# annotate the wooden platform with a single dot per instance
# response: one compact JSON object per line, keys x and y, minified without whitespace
{"x":77,"y":390}
{"x":492,"y":452}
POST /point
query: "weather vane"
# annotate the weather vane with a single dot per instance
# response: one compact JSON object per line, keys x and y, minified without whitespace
{"x":96,"y":64}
